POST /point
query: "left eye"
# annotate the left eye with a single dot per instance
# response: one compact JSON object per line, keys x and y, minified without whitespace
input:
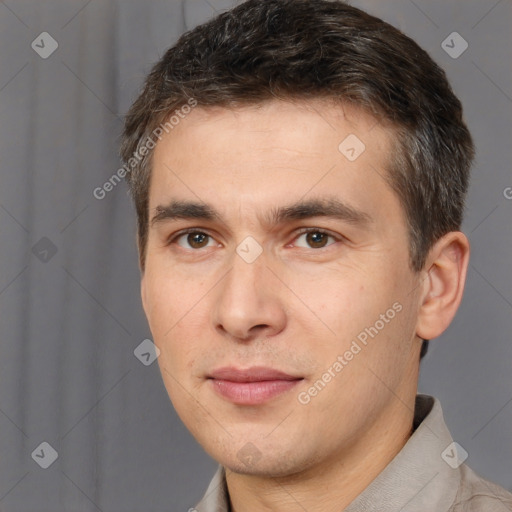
{"x":195,"y":240}
{"x":314,"y":239}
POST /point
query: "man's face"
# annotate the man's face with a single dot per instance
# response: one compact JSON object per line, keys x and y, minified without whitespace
{"x":296,"y":261}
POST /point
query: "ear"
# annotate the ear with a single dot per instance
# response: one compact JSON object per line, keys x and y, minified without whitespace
{"x":442,"y":285}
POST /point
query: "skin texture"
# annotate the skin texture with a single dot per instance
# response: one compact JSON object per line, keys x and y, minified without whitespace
{"x":299,"y":305}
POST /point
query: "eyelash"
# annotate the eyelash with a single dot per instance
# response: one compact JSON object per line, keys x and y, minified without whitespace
{"x":303,"y":231}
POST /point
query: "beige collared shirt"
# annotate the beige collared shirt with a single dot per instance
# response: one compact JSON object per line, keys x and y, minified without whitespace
{"x":425,"y":476}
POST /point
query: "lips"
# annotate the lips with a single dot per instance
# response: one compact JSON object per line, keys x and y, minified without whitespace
{"x":251,"y":386}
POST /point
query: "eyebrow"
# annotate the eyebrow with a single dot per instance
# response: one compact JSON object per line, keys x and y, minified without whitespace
{"x":303,"y":209}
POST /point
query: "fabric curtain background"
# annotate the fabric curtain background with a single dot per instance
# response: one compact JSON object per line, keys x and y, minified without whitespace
{"x":70,"y":312}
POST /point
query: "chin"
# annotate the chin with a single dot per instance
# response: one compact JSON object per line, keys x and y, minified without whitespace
{"x":268,"y":469}
{"x":268,"y":461}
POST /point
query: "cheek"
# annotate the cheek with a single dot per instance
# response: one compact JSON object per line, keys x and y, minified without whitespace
{"x":355,"y":304}
{"x":340,"y":301}
{"x":167,"y":302}
{"x":169,"y":298}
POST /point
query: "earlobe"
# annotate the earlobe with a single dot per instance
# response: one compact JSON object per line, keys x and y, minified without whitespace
{"x":443,"y":284}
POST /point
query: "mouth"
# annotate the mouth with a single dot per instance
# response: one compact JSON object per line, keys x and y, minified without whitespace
{"x":251,"y":386}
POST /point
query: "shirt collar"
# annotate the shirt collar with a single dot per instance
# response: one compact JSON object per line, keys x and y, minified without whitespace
{"x":216,"y":497}
{"x":417,"y":479}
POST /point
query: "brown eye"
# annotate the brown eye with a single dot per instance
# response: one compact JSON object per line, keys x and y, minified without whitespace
{"x":194,"y":240}
{"x":314,"y":239}
{"x":197,"y":240}
{"x":317,"y":239}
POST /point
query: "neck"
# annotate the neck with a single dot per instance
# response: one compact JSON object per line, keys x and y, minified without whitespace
{"x":332,"y":484}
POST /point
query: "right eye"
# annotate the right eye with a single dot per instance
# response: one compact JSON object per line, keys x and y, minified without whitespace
{"x":193,"y":239}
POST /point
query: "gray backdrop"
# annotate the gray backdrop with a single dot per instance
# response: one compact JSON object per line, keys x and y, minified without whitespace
{"x":69,"y":297}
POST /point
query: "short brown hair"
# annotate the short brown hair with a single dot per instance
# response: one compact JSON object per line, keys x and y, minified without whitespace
{"x":300,"y":49}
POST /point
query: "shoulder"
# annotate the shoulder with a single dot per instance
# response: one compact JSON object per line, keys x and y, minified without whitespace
{"x":475,"y":494}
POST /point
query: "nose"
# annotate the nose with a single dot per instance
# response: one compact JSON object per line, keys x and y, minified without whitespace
{"x":249,"y":301}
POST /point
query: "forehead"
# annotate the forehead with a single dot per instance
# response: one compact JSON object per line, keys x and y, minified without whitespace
{"x":288,"y":120}
{"x":272,"y":151}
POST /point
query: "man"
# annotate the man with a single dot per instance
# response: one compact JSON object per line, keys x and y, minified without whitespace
{"x":299,"y":171}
